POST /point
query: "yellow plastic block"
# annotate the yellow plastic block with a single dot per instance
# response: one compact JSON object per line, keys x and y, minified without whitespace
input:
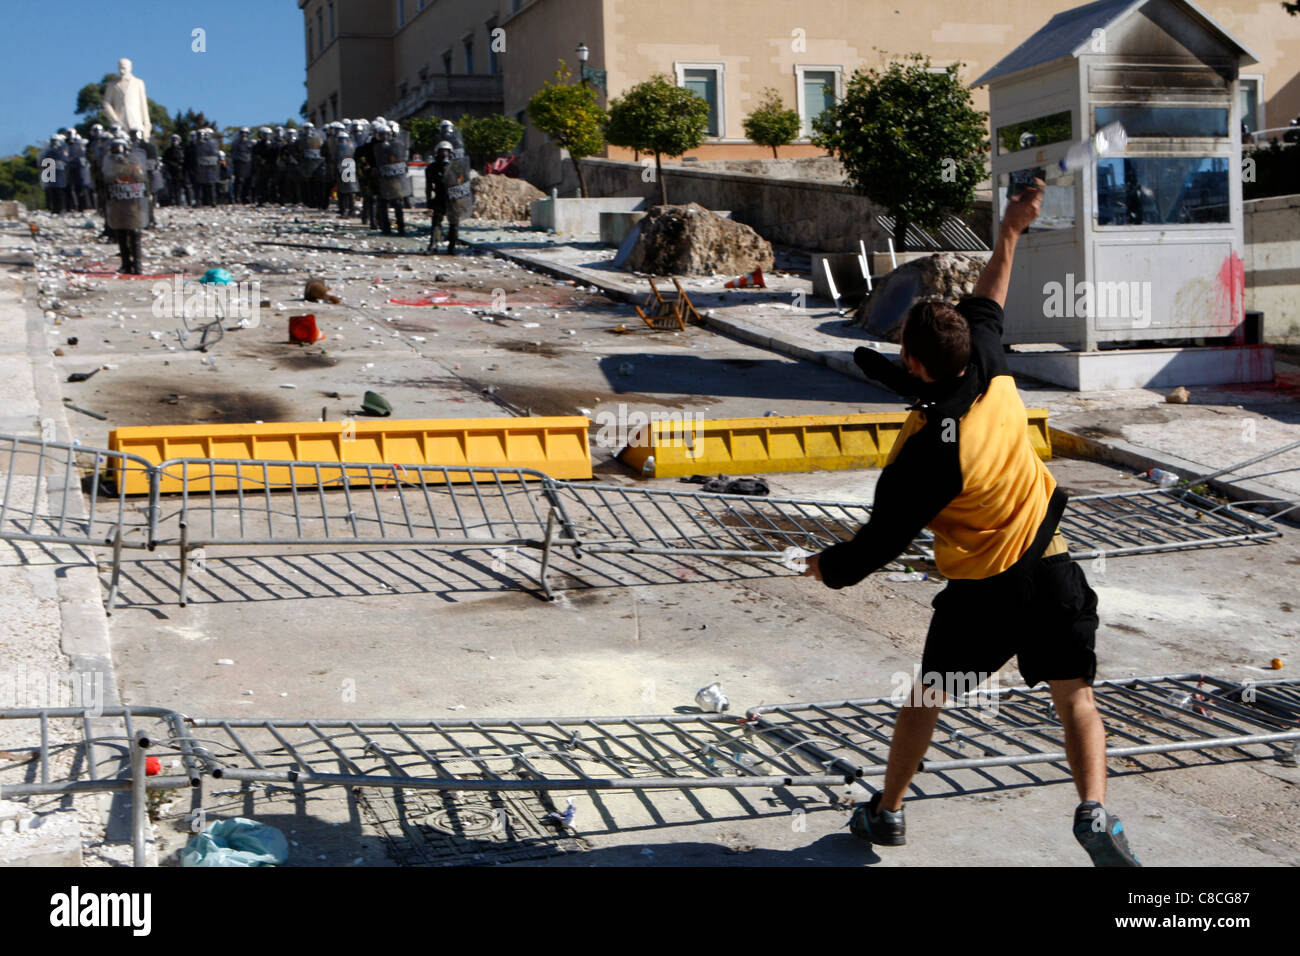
{"x":555,"y":446}
{"x":676,"y":448}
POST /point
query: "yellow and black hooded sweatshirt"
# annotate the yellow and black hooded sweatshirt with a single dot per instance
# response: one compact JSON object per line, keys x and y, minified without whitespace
{"x":962,"y":467}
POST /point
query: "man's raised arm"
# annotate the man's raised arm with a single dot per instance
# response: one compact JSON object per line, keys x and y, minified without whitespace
{"x":1022,"y":210}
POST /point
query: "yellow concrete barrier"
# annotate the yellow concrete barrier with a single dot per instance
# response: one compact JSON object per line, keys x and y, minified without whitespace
{"x":736,"y":446}
{"x":556,"y":446}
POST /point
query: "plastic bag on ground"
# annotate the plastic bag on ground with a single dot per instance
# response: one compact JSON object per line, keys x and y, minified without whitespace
{"x":236,"y":842}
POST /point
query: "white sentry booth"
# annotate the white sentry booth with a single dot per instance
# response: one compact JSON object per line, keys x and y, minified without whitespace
{"x":1143,"y":247}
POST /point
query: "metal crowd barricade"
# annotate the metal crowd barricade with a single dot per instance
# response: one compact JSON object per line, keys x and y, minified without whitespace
{"x":225,"y":502}
{"x":197,"y":503}
{"x":611,"y":518}
{"x":989,"y":738}
{"x":41,"y":499}
{"x":1153,"y":520}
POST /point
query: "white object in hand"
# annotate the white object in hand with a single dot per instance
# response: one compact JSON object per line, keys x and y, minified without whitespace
{"x":1108,"y":139}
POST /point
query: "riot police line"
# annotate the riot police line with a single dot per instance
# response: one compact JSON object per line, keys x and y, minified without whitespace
{"x":125,"y":177}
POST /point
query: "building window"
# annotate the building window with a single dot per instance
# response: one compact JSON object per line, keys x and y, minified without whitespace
{"x":331,"y":21}
{"x":522,"y":119}
{"x":446,"y":63}
{"x":401,"y":91}
{"x":309,"y":42}
{"x":469,"y":54}
{"x":424,"y":75}
{"x":1252,"y":102}
{"x":401,"y":13}
{"x":334,"y":106}
{"x":705,"y":81}
{"x":515,"y":5}
{"x":818,"y":87}
{"x":494,"y":58}
{"x":320,"y":30}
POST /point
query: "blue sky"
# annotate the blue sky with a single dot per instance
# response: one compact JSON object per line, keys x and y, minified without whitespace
{"x":251,"y":73}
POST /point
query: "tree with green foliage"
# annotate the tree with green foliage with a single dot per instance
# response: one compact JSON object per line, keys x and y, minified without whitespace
{"x":569,"y":114}
{"x":183,"y":123}
{"x":910,"y":141}
{"x":487,"y":137}
{"x":771,"y":124}
{"x":20,"y":178}
{"x":658,"y":117}
{"x":424,"y":133}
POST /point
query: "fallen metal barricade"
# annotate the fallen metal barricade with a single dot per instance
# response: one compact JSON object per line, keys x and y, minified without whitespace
{"x":56,"y":493}
{"x":986,"y":739}
{"x":357,"y":504}
{"x":244,"y":503}
{"x":614,"y":519}
{"x":1154,"y":520}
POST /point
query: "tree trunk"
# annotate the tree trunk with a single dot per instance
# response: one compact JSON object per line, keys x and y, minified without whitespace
{"x":774,"y":156}
{"x":659,"y":174}
{"x":582,"y":183}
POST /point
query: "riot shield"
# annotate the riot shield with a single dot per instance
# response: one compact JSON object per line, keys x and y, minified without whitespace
{"x":241,"y":157}
{"x":56,"y":161}
{"x":346,"y":176}
{"x":310,"y":155}
{"x":127,"y":196}
{"x":390,"y":167}
{"x":208,"y":159}
{"x":460,"y":197}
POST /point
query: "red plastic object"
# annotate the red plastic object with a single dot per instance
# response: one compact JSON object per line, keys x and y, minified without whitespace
{"x":302,"y":328}
{"x":152,"y":766}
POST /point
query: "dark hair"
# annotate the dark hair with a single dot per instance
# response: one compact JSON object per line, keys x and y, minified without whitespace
{"x":937,"y":336}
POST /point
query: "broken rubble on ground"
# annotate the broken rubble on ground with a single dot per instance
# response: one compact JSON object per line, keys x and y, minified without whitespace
{"x":692,"y":240}
{"x":501,"y":198}
{"x":947,"y":276}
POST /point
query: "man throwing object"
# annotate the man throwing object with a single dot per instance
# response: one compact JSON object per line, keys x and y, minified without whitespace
{"x":963,"y":467}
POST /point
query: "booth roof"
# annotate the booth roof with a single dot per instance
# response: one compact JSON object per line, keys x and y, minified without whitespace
{"x":1068,"y":33}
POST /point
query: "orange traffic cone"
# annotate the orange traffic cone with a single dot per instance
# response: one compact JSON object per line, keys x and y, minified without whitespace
{"x":754,"y":279}
{"x":302,"y":328}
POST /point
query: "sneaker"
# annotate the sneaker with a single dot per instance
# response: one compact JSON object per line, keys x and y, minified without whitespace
{"x":1102,"y":835}
{"x":878,"y":827}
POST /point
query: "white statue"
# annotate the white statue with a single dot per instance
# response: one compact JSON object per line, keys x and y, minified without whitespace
{"x":125,"y":101}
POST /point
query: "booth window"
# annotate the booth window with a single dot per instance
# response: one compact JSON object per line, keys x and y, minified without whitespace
{"x":1058,"y":210}
{"x":1251,"y":108}
{"x":1166,"y":190}
{"x":1166,"y":121}
{"x":1035,"y":133}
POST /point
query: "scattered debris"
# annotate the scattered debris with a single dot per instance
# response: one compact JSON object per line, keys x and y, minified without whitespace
{"x":667,"y":313}
{"x":317,"y":291}
{"x":375,"y":404}
{"x":945,"y":276}
{"x":217,"y":277}
{"x":82,"y":376}
{"x":85,"y":411}
{"x":725,"y":485}
{"x":504,"y":199}
{"x":711,"y":699}
{"x":303,"y":330}
{"x":1179,"y":396}
{"x":691,"y":240}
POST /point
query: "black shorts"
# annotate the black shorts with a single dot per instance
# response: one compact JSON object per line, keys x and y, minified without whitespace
{"x":1047,"y":618}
